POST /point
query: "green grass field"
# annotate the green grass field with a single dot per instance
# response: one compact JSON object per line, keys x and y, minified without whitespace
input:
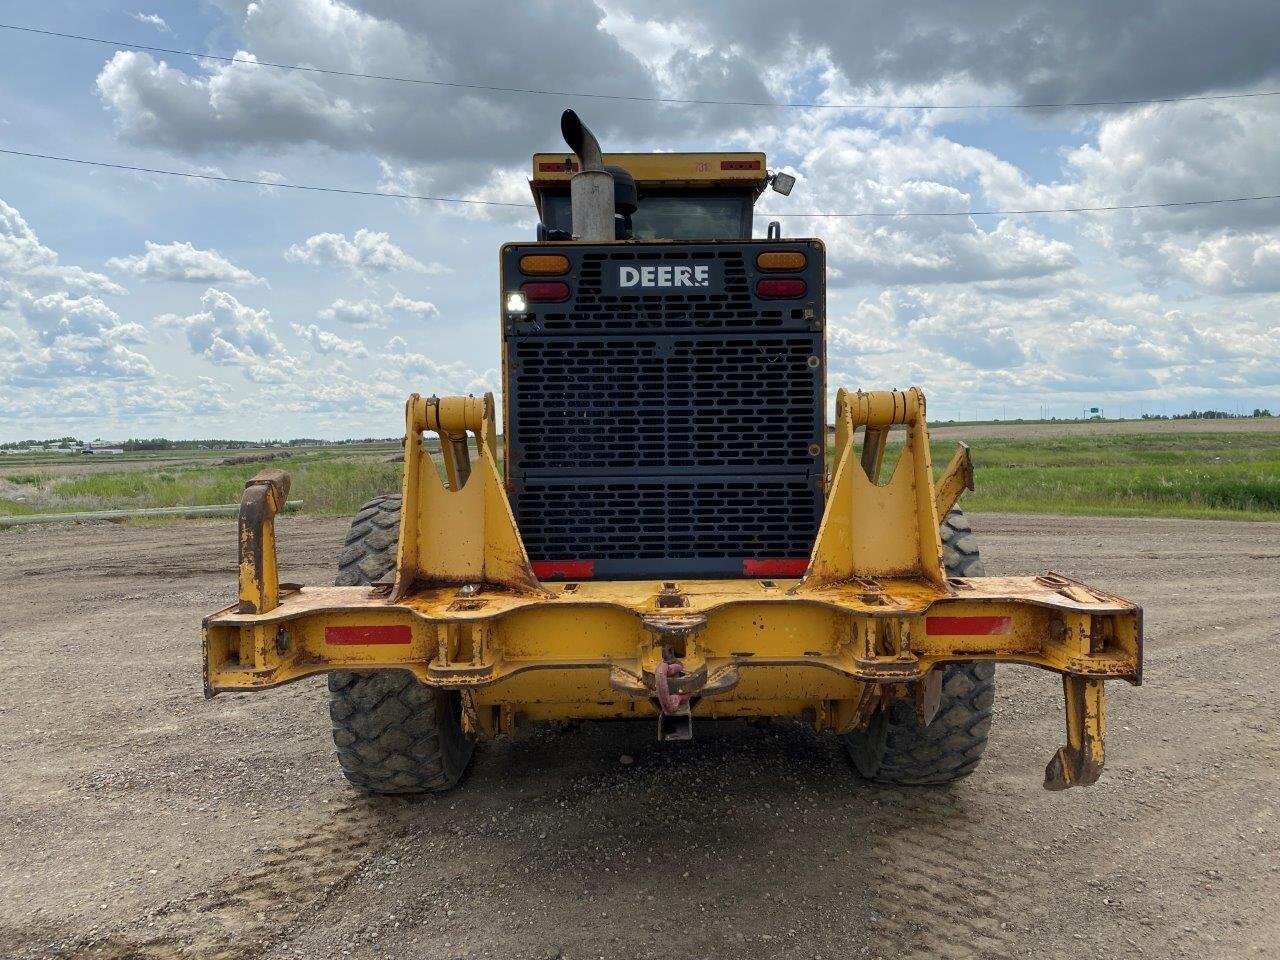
{"x":1204,"y":474}
{"x":328,"y":480}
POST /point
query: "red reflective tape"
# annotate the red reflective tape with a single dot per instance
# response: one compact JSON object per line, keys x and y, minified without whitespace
{"x":364,"y":636}
{"x":775,"y":568}
{"x":967,"y":626}
{"x":556,"y":166}
{"x":569,"y":569}
{"x":739,"y":164}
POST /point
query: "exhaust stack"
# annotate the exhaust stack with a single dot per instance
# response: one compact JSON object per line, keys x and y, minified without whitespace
{"x":591,"y":189}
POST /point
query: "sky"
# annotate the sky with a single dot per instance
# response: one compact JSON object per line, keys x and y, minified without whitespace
{"x":138,"y":305}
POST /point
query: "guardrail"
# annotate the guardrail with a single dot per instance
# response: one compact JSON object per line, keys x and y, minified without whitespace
{"x":211,"y":510}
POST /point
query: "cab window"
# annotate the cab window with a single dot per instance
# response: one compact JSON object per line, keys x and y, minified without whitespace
{"x":671,"y":216}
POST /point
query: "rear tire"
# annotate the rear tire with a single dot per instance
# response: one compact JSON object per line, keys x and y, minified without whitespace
{"x":394,"y":734}
{"x":894,"y":748}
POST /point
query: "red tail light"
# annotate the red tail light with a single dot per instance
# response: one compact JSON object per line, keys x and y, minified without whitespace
{"x":545,"y":291}
{"x":781,"y":288}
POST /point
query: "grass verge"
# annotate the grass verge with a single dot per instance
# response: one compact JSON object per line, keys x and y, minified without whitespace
{"x":1195,"y":475}
{"x":1198,"y":475}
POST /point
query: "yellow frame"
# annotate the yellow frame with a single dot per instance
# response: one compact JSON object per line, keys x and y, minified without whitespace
{"x":872,"y":618}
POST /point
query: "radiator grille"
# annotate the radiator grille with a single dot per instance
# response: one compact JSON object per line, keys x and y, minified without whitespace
{"x":666,"y":402}
{"x":664,"y":519}
{"x":669,"y":433}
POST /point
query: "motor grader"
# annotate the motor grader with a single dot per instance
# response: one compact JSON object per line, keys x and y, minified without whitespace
{"x":657,"y":534}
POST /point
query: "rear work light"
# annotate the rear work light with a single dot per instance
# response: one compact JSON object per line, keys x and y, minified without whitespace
{"x":544,"y":265}
{"x":548,"y":291}
{"x":781,"y":260}
{"x":781,"y":289}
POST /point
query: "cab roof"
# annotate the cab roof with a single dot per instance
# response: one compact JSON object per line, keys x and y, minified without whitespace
{"x":707,"y":170}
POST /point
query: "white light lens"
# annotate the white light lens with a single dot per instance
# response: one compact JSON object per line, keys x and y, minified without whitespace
{"x":516,"y":303}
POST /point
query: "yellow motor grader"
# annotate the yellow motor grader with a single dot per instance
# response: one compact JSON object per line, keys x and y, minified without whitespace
{"x":657,"y":534}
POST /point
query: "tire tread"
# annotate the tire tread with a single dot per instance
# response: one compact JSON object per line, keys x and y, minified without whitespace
{"x":894,"y":748}
{"x":393,"y":734}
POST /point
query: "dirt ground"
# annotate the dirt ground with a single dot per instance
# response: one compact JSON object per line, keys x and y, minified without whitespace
{"x":140,"y":820}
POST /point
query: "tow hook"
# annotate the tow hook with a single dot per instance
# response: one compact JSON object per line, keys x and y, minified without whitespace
{"x":675,"y":720}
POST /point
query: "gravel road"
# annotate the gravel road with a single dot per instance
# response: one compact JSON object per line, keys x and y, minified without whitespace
{"x":140,"y":820}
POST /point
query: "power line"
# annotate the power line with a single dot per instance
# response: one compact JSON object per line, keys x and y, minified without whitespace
{"x":534,"y":91}
{"x":217,"y":178}
{"x":1031,"y":210}
{"x":260,"y":183}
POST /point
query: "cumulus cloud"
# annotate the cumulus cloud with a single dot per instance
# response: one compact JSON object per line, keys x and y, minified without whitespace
{"x":56,"y":325}
{"x":1223,"y":149}
{"x":368,"y":254}
{"x":229,"y":333}
{"x":1155,"y":155}
{"x":1041,"y":51}
{"x":159,"y":105}
{"x":1230,"y":262}
{"x":879,"y":50}
{"x":218,"y":107}
{"x":418,"y":308}
{"x":23,"y":256}
{"x":859,"y":169}
{"x":183,"y":263}
{"x":439,"y":376}
{"x":972,"y":348}
{"x":366,"y":313}
{"x":322,"y":341}
{"x":71,"y":338}
{"x":357,"y":313}
{"x":100,"y":407}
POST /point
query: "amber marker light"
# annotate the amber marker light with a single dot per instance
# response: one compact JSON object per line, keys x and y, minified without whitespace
{"x":781,"y":260}
{"x":544,"y":265}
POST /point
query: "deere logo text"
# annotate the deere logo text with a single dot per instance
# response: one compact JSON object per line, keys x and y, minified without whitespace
{"x":680,"y":275}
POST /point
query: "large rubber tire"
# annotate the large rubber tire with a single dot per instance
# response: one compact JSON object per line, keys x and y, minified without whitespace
{"x":894,"y":748}
{"x":393,"y":734}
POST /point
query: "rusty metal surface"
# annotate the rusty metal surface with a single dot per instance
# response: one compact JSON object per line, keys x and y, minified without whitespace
{"x":1079,"y":762}
{"x":955,"y":480}
{"x":874,"y":617}
{"x":872,"y":529}
{"x":265,"y":495}
{"x":890,"y":634}
{"x":465,"y":532}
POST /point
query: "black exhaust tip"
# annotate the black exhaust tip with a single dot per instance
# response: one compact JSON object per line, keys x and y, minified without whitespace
{"x":581,"y":141}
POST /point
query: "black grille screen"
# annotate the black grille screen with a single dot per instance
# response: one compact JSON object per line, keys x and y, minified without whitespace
{"x":665,"y":402}
{"x":666,"y":524}
{"x":670,"y":433}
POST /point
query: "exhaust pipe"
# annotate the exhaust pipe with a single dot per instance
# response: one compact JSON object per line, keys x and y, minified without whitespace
{"x":591,"y":189}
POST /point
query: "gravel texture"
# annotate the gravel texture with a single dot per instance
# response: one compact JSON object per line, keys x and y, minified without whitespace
{"x":140,"y":820}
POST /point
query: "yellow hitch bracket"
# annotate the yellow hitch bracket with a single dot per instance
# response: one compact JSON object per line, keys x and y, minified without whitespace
{"x":264,"y":496}
{"x":464,"y":533}
{"x":1079,"y":763}
{"x":870,"y":530}
{"x":955,"y":480}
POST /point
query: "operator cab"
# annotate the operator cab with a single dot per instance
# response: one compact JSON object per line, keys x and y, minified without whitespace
{"x":679,"y":196}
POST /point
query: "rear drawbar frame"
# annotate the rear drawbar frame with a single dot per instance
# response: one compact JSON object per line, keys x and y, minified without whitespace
{"x":874,"y":617}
